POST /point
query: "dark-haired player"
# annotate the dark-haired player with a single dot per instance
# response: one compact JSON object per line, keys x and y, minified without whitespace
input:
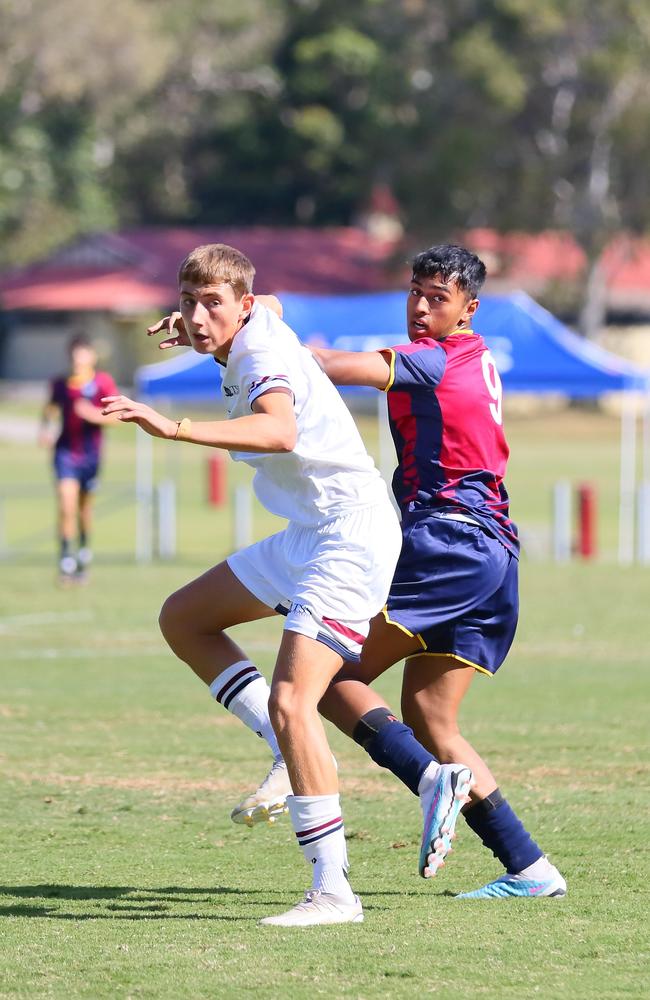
{"x":453,"y":604}
{"x":74,"y":398}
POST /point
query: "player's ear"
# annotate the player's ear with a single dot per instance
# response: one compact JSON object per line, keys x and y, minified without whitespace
{"x":246,"y":304}
{"x":469,"y":310}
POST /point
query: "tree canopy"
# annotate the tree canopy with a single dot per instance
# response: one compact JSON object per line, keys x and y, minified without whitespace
{"x":478,"y":113}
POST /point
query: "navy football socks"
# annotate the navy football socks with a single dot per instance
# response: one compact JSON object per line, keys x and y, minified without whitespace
{"x":503,"y":833}
{"x":392,"y":745}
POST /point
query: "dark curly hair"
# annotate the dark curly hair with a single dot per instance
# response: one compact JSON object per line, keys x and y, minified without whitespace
{"x":452,"y":263}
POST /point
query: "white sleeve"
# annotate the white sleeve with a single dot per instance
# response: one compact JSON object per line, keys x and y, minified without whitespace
{"x":260,"y":370}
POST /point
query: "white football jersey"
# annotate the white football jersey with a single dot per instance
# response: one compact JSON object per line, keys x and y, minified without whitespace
{"x":329,"y":471}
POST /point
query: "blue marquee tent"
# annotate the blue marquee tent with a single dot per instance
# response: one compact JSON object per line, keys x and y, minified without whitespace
{"x":533,"y":351}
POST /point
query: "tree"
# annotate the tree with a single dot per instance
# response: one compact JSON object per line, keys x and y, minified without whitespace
{"x":478,"y":113}
{"x":538,"y":117}
{"x":68,"y":75}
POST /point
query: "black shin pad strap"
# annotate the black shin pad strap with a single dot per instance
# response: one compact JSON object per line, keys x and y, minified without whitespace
{"x":489,"y":803}
{"x":370,"y":724}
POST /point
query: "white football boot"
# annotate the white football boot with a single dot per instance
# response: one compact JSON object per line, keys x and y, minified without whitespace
{"x":316,"y":909}
{"x":67,"y":570}
{"x":269,"y":802}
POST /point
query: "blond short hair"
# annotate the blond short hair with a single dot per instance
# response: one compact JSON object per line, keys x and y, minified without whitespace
{"x":218,"y":264}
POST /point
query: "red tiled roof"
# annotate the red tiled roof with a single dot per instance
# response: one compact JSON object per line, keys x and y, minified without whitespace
{"x":136,"y":270}
{"x":534,"y":261}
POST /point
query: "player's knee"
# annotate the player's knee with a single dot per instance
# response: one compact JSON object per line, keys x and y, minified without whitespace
{"x":279,"y":711}
{"x":286,"y":707}
{"x":440,"y":725}
{"x":420,"y":704}
{"x":171,"y":619}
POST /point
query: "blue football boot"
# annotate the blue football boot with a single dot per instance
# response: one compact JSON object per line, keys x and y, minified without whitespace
{"x":441,"y":804}
{"x":520,"y":886}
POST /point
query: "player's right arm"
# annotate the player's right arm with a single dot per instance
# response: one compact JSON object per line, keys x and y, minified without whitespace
{"x":49,"y":415}
{"x":174,"y":327}
{"x":355,"y":367}
{"x":269,"y":428}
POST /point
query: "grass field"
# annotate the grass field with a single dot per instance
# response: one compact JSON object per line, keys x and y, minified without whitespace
{"x":122,"y":875}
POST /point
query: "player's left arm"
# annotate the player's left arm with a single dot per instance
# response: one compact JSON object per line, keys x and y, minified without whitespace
{"x":270,"y":428}
{"x":91,"y":411}
{"x":271,"y":302}
{"x":354,"y":367}
{"x":92,"y":414}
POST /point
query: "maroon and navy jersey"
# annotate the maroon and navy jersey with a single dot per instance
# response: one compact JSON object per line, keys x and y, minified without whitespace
{"x":446,"y":419}
{"x":79,"y":436}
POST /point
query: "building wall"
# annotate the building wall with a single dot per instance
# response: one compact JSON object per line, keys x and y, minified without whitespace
{"x":35,"y":345}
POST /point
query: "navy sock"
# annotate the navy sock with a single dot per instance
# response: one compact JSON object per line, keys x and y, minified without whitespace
{"x":64,"y":547}
{"x":392,"y":745}
{"x":503,"y":833}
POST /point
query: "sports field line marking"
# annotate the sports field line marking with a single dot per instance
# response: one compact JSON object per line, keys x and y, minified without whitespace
{"x":83,"y":654}
{"x":162,"y":782}
{"x":46,"y":618}
{"x":80,"y":653}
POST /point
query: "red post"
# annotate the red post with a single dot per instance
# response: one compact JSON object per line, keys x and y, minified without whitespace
{"x":586,"y":521}
{"x":217,"y":479}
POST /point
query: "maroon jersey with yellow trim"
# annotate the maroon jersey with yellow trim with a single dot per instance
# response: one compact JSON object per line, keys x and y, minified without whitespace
{"x":446,"y":419}
{"x":77,"y":435}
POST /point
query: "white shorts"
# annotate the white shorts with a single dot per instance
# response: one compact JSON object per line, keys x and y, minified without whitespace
{"x":328,"y":580}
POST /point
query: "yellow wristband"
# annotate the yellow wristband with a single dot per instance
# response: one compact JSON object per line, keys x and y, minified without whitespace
{"x":183,"y":429}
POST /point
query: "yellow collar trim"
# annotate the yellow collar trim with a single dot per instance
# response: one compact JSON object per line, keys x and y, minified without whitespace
{"x":75,"y":381}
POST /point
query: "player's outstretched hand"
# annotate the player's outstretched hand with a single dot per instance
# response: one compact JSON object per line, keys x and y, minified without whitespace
{"x":131,"y":412}
{"x":174,"y":327}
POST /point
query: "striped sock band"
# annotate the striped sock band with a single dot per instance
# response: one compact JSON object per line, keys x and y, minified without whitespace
{"x":317,"y":833}
{"x":233,"y":680}
{"x":318,"y":825}
{"x":243,"y":691}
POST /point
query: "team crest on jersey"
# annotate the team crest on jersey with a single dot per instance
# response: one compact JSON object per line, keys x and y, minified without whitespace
{"x":231,"y":390}
{"x":89,"y":389}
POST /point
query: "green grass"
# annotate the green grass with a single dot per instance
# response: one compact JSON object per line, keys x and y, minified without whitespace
{"x":122,"y":875}
{"x":573,"y":445}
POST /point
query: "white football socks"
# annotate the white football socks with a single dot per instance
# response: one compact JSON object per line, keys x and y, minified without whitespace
{"x":243,"y":691}
{"x":426,"y":782}
{"x":540,"y":869}
{"x":318,"y":825}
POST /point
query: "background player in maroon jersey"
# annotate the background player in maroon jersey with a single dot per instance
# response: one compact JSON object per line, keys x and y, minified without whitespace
{"x":75,"y":399}
{"x":453,"y":604}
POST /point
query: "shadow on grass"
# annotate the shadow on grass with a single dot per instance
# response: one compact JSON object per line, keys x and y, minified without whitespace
{"x":53,"y":914}
{"x":125,"y":902}
{"x":150,"y":894}
{"x":128,"y":902}
{"x":167,"y":893}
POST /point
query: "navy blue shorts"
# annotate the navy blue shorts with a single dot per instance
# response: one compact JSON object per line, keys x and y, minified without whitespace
{"x":83,"y":468}
{"x":456,"y":588}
